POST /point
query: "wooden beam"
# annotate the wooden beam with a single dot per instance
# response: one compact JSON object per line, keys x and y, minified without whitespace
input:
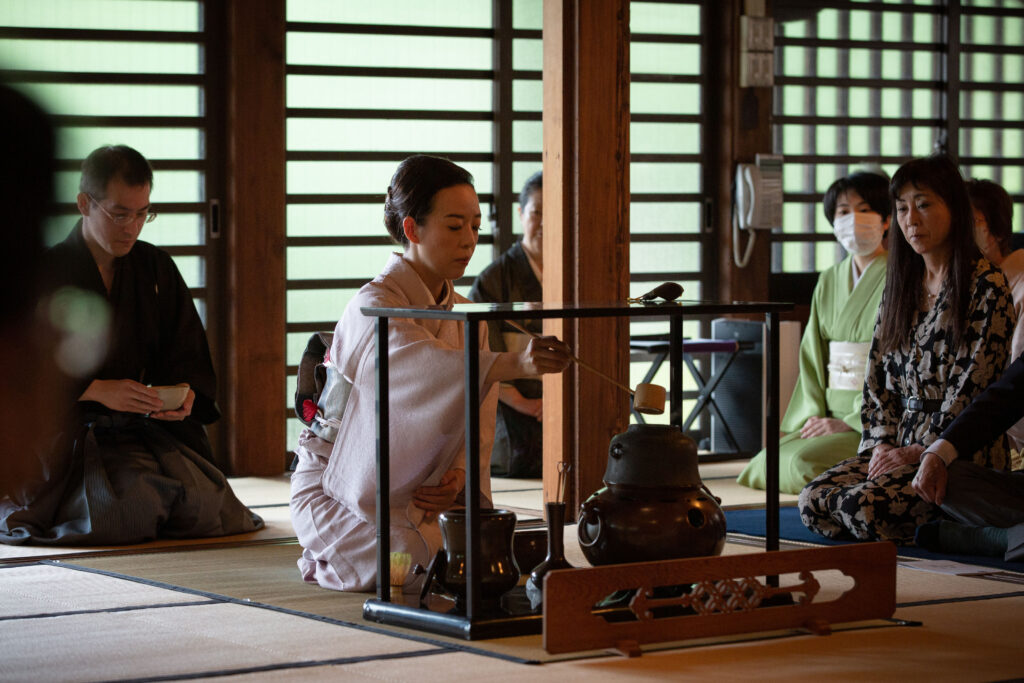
{"x":746,"y":120}
{"x":255,"y":229}
{"x":586,"y":228}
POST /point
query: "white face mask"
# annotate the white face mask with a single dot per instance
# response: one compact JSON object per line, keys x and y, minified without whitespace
{"x":859,"y":233}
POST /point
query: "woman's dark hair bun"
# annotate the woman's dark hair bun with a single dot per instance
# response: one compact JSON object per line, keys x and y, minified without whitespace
{"x":413,"y":187}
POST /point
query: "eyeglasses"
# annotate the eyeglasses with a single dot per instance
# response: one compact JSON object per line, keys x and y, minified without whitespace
{"x":147,"y":216}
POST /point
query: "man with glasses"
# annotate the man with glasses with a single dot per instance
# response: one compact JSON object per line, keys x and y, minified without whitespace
{"x":128,"y":467}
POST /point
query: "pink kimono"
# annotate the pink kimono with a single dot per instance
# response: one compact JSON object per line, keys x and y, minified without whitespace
{"x":333,"y":489}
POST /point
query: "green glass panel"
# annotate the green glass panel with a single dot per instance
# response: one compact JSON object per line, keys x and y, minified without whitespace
{"x":922,"y":142}
{"x":794,"y":177}
{"x":648,"y":17}
{"x":359,"y":177}
{"x":662,"y":257}
{"x":981,"y":30}
{"x":527,"y":136}
{"x":794,"y":61}
{"x":344,"y":220}
{"x":100,"y":56}
{"x":527,"y":54}
{"x":1018,"y":218}
{"x":926,"y":28}
{"x":664,"y":177}
{"x":527,"y":14}
{"x":891,"y":137}
{"x":978,"y":66}
{"x":926,"y":66}
{"x":116,"y":100}
{"x":794,"y":100}
{"x":828,"y":140}
{"x":318,"y":305}
{"x":321,"y":263}
{"x":664,"y":217}
{"x":527,"y":95}
{"x":828,"y":24}
{"x":192,"y":270}
{"x":860,"y":25}
{"x":827,"y":254}
{"x":860,"y":63}
{"x":982,"y":142}
{"x":794,"y":139}
{"x":860,"y":102}
{"x":665,"y":98}
{"x":827,"y":101}
{"x":793,"y":217}
{"x":364,"y":92}
{"x":925,"y":103}
{"x":892,"y":103}
{"x":153,"y":143}
{"x":892,"y":65}
{"x":176,"y":229}
{"x":828,"y":60}
{"x":982,"y":104}
{"x":859,"y":139}
{"x":422,"y":52}
{"x":136,"y":15}
{"x":664,"y":58}
{"x":794,"y":259}
{"x":795,"y":29}
{"x":1013,"y":68}
{"x":1013,"y":143}
{"x":664,"y":138}
{"x":455,"y":13}
{"x":892,"y":27}
{"x":383,"y":135}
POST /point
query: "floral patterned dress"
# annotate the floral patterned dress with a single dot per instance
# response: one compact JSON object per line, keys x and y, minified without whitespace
{"x":842,"y":502}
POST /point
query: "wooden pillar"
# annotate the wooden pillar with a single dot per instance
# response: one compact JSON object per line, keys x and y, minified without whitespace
{"x":255,"y":227}
{"x":746,"y":122}
{"x":586,"y":229}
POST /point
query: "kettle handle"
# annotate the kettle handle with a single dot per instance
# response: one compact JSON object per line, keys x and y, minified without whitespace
{"x":590,"y":542}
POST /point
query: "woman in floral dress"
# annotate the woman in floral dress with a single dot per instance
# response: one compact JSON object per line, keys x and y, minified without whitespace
{"x":943,"y":334}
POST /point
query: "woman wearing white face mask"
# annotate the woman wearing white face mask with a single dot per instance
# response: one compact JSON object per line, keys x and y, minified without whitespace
{"x":822,"y":424}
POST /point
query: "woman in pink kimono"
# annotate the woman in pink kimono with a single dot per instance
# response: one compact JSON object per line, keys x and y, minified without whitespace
{"x":433,"y":212}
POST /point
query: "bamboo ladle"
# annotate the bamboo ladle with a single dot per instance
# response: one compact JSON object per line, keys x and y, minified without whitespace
{"x":648,"y":398}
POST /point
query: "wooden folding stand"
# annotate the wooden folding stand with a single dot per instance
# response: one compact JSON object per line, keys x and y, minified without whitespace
{"x":713,"y":596}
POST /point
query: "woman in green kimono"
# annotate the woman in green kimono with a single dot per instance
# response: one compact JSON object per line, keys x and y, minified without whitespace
{"x":822,"y":425}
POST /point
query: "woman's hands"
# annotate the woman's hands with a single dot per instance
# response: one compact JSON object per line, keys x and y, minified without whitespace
{"x":931,"y":479}
{"x":129,"y":396}
{"x":543,"y":355}
{"x":124,"y":395}
{"x":885,"y":458}
{"x":511,"y":397}
{"x":435,"y":499}
{"x":820,"y":426}
{"x":177,"y":415}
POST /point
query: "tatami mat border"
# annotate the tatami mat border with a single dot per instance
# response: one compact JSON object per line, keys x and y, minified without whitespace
{"x":966,"y":598}
{"x":109,"y":610}
{"x":133,"y":550}
{"x":292,"y":612}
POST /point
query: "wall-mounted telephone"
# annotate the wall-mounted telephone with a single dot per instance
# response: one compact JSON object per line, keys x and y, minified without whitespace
{"x":758,"y":201}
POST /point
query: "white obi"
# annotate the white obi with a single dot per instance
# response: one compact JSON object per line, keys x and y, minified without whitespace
{"x":846,"y":364}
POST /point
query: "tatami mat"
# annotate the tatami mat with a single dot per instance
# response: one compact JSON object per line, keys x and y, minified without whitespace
{"x":41,"y":589}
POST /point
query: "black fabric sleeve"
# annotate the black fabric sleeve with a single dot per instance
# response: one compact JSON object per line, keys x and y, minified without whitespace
{"x":990,"y":414}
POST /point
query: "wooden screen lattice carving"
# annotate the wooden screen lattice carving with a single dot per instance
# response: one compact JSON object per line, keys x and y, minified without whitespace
{"x":719,"y":596}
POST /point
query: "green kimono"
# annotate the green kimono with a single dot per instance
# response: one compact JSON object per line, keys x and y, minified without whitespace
{"x":837,"y":315}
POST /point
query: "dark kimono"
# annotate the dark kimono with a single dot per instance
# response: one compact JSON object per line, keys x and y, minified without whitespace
{"x":843,"y":502}
{"x":115,"y":477}
{"x":517,"y":437}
